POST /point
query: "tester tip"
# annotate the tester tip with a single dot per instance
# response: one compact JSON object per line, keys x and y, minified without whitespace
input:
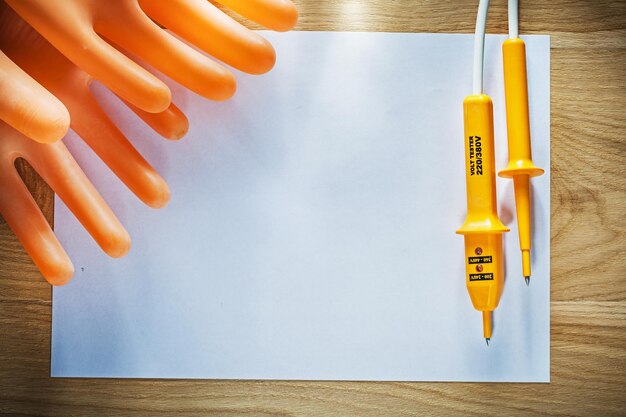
{"x":487,"y":340}
{"x":527,"y":279}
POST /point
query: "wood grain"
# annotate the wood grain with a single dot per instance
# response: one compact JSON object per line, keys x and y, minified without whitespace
{"x":588,"y":309}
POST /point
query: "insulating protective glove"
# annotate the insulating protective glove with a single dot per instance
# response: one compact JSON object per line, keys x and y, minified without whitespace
{"x":57,"y":167}
{"x":88,"y":32}
{"x":71,"y":86}
{"x":54,"y":163}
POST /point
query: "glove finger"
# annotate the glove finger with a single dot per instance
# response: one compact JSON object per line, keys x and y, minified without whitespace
{"x":279,"y":15}
{"x":58,"y":168}
{"x":91,"y":123}
{"x":133,"y":30}
{"x":28,"y":107}
{"x":205,"y":26}
{"x":23,"y":216}
{"x":171,"y":124}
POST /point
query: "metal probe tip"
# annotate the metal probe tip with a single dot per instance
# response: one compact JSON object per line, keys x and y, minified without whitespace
{"x":527,"y":279}
{"x":487,"y":340}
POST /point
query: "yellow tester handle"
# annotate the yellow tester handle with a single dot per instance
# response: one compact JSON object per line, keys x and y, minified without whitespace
{"x":520,"y":166}
{"x":482,"y":228}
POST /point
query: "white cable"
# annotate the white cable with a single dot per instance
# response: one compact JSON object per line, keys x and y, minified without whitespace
{"x":479,"y":47}
{"x":513,"y":19}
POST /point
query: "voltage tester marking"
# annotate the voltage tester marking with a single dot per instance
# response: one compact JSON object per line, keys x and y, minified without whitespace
{"x":479,"y":260}
{"x":475,"y":155}
{"x":481,"y":277}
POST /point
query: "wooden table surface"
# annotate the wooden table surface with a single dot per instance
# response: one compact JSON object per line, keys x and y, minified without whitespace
{"x":588,"y":307}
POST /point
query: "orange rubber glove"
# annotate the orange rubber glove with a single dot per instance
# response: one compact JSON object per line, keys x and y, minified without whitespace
{"x":57,"y":167}
{"x":71,"y":85}
{"x":78,"y":28}
{"x":27,"y":106}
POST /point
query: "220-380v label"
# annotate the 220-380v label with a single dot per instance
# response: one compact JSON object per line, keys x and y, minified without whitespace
{"x":475,"y":155}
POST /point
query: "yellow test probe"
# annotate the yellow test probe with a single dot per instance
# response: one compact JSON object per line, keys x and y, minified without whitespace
{"x":482,"y":230}
{"x":520,"y":166}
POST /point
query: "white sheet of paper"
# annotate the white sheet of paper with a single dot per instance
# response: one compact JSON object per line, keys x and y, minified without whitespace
{"x":311,"y":231}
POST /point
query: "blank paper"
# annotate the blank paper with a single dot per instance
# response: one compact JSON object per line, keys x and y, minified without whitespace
{"x":311,"y":230}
